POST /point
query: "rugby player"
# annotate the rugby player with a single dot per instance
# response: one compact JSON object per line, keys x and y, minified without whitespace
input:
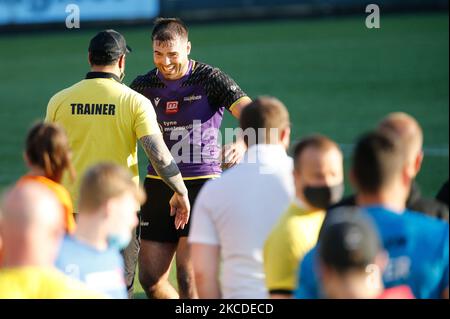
{"x":182,"y":91}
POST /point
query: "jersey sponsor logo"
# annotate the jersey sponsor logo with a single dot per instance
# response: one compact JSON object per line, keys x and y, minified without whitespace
{"x":170,"y":123}
{"x":192,"y":98}
{"x":171,"y":107}
{"x":157,"y":99}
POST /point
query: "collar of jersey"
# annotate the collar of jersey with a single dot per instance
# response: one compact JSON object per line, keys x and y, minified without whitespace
{"x":102,"y":75}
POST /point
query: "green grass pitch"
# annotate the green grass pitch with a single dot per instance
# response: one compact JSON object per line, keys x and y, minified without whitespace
{"x":336,"y":76}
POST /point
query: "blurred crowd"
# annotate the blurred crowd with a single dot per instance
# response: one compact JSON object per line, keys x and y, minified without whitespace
{"x":278,"y":224}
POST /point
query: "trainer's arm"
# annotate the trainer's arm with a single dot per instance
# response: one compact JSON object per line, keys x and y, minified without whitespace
{"x":163,"y":162}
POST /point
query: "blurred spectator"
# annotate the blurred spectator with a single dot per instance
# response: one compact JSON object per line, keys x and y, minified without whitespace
{"x":31,"y":229}
{"x":352,"y":260}
{"x":409,"y":133}
{"x":47,"y":155}
{"x":443,"y":194}
{"x":109,"y":200}
{"x":318,"y":177}
{"x":235,"y":213}
{"x":418,"y":245}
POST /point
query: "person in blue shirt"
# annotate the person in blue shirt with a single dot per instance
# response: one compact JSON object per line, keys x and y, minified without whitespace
{"x":352,"y":260}
{"x":109,"y":200}
{"x":417,"y":245}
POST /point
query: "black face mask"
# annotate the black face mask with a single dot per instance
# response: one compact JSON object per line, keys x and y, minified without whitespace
{"x":324,"y":196}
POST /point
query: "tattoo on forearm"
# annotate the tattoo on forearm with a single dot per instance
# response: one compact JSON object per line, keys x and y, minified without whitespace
{"x":163,"y":162}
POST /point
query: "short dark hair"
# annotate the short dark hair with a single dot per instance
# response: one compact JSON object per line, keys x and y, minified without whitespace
{"x":167,"y":29}
{"x":265,"y":112}
{"x":101,"y":59}
{"x":377,"y":159}
{"x":316,"y":141}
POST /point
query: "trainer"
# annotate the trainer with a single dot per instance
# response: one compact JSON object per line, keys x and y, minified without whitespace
{"x":103,"y":119}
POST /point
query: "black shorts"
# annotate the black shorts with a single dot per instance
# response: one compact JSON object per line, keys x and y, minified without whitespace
{"x":156,"y":222}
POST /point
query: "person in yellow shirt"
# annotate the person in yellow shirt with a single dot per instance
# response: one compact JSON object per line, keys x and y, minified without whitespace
{"x":104,"y":119}
{"x":318,"y":178}
{"x":31,"y":228}
{"x":47,"y":154}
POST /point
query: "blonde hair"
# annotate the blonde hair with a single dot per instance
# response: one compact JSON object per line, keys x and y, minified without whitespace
{"x":105,"y":181}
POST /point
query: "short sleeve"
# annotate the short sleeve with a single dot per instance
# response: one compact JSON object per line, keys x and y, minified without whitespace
{"x":223,"y":90}
{"x":50,"y":113}
{"x":137,"y":86}
{"x":203,"y":230}
{"x":145,"y":122}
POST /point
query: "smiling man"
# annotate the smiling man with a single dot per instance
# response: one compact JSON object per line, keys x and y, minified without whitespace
{"x":188,"y":97}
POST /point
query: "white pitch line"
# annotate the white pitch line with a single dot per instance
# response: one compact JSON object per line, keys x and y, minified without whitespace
{"x":432,"y":151}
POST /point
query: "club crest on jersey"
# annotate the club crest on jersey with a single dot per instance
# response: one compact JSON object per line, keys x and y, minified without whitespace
{"x":171,"y":107}
{"x":157,"y":99}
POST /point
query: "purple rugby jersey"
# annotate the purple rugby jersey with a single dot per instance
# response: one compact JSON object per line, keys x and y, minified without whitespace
{"x":189,"y":113}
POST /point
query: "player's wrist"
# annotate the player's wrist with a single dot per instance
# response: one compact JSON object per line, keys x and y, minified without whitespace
{"x":183,"y":192}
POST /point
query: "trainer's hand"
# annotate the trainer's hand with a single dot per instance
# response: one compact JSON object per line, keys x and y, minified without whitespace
{"x":180,"y":208}
{"x":233,"y":153}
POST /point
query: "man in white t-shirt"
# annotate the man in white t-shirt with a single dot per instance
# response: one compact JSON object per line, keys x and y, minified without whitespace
{"x":234,"y":214}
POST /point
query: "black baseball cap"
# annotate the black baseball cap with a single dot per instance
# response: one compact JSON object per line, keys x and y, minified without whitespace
{"x":348,"y":240}
{"x":108,"y":44}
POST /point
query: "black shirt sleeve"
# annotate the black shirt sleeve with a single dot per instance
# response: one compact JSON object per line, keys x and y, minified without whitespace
{"x":147,"y":81}
{"x":138,"y":84}
{"x":222,"y":90}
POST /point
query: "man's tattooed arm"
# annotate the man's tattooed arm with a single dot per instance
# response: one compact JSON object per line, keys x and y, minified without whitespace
{"x":163,"y":162}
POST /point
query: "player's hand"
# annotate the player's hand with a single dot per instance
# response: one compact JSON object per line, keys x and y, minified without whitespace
{"x":181,"y":209}
{"x":233,"y":153}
